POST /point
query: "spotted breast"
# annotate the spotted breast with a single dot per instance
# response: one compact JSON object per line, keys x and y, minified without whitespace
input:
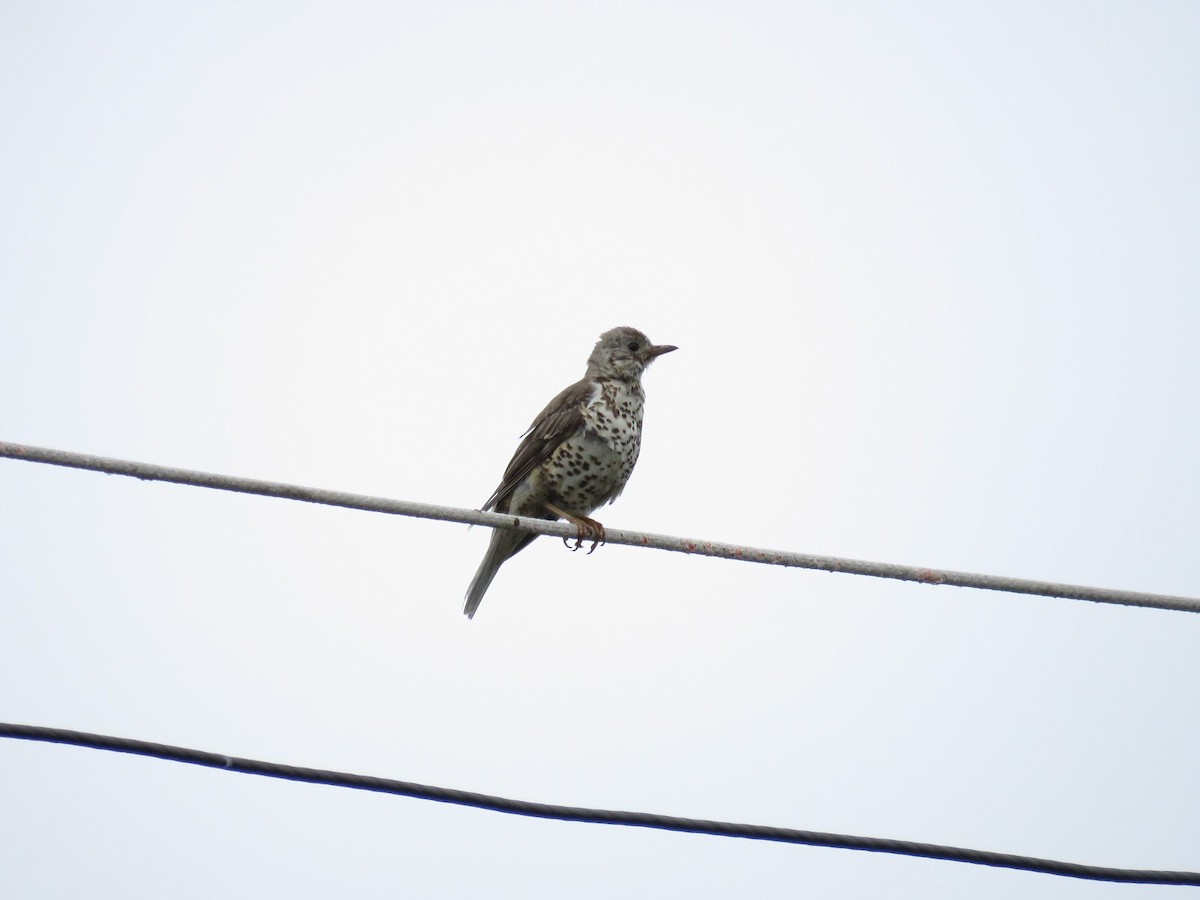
{"x":591,"y":467}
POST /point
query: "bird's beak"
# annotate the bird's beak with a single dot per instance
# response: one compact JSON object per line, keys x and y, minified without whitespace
{"x":658,"y":350}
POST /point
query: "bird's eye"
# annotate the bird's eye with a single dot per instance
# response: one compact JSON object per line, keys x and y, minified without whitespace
{"x":633,"y":346}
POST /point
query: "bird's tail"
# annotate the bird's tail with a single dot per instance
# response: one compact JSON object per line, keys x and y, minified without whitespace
{"x":505,"y":542}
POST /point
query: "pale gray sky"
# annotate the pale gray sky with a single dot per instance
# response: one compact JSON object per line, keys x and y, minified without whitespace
{"x":933,"y":271}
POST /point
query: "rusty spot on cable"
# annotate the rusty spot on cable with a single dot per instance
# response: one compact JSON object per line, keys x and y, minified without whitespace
{"x":929,"y":576}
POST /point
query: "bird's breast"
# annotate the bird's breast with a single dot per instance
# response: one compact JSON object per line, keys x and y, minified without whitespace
{"x":590,"y":468}
{"x":615,"y":414}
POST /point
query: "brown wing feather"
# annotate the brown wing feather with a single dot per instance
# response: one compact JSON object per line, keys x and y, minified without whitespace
{"x":561,"y":418}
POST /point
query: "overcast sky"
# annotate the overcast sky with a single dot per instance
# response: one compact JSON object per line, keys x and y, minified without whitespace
{"x":933,"y":271}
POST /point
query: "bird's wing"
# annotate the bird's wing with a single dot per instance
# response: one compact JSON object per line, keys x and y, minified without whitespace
{"x":561,"y":418}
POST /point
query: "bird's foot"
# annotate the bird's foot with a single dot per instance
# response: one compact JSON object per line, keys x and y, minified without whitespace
{"x":586,"y":529}
{"x":589,"y":530}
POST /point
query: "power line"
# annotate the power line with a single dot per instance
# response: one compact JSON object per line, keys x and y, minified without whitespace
{"x":151,"y":472}
{"x":594,"y":816}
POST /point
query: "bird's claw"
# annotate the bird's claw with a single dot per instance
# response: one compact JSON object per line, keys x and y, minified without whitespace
{"x":585,"y":529}
{"x":589,"y":530}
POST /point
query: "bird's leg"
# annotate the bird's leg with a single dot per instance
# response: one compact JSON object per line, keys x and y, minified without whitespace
{"x":589,"y":529}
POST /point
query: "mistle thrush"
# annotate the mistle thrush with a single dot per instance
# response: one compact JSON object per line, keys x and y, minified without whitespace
{"x":577,"y":454}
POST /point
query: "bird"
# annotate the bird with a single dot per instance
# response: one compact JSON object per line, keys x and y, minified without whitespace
{"x":577,"y":454}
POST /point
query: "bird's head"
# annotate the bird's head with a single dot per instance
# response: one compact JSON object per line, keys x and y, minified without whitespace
{"x":624,"y":353}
